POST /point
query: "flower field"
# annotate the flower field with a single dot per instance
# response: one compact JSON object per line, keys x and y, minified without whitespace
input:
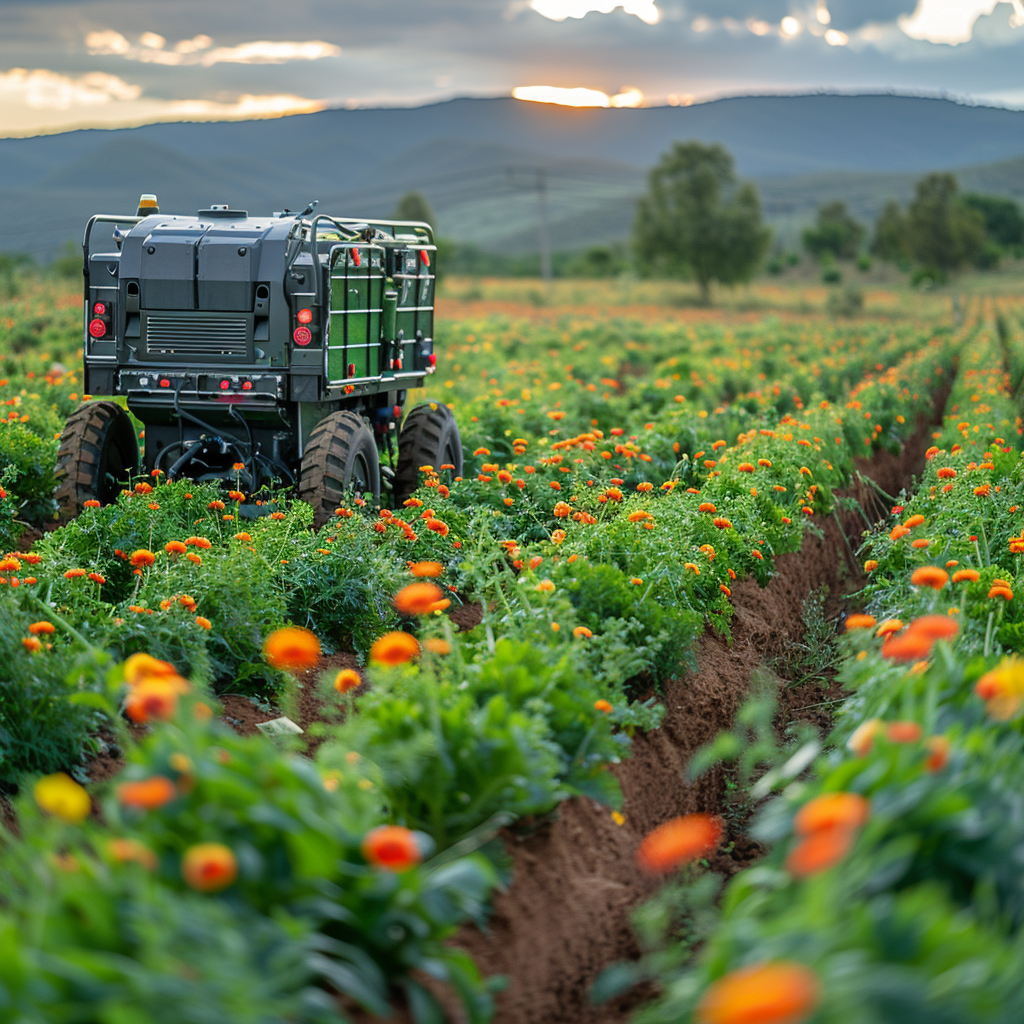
{"x":510,"y":655}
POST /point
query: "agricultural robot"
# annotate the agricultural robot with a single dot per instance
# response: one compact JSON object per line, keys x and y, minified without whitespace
{"x":257,"y":350}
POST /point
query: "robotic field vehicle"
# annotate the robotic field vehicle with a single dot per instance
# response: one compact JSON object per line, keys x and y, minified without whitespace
{"x":257,"y":350}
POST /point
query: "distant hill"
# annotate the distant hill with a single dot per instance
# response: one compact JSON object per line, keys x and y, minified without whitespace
{"x":477,"y":161}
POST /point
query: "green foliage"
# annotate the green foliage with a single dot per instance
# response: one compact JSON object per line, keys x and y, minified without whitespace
{"x":697,"y":221}
{"x":890,"y":240}
{"x":1004,"y":220}
{"x":835,"y":231}
{"x":942,"y":234}
{"x":413,"y":206}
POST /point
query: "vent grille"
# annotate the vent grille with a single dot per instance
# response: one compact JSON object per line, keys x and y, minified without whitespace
{"x":208,"y":336}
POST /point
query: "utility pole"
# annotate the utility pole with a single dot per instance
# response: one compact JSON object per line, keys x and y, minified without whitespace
{"x":540,"y":186}
{"x":545,"y":241}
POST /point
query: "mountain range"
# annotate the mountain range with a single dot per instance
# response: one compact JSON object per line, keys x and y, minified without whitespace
{"x":482,"y":163}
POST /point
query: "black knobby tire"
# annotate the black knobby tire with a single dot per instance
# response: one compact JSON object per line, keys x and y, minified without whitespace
{"x":340,"y":459}
{"x":429,"y":437}
{"x":98,"y":454}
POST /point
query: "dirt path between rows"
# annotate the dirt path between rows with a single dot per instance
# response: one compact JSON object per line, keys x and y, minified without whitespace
{"x":566,"y":916}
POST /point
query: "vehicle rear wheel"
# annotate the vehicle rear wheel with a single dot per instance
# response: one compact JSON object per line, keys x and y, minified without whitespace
{"x":429,"y":437}
{"x":97,"y":456}
{"x":340,"y":460}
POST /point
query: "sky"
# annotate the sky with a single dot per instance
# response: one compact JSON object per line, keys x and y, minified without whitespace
{"x":121,"y":62}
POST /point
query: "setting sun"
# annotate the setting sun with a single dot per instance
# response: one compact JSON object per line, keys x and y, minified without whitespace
{"x":578,"y":97}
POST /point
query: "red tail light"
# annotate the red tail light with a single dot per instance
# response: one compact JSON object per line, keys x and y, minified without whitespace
{"x":302,"y":335}
{"x":432,"y":359}
{"x":225,"y":384}
{"x":165,"y":383}
{"x":100,"y":308}
{"x":247,"y":385}
{"x":97,"y":328}
{"x":305,"y":316}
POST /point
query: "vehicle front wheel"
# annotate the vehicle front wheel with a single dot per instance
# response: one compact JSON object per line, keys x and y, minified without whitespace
{"x":97,"y":456}
{"x":340,"y":460}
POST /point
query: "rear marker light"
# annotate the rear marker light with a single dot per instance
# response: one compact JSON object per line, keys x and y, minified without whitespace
{"x":351,"y":369}
{"x":100,"y":308}
{"x":247,"y":385}
{"x":225,"y":384}
{"x":425,"y":256}
{"x":432,"y":359}
{"x":397,"y":411}
{"x":97,"y":328}
{"x":302,"y":335}
{"x":165,"y":383}
{"x":305,"y":316}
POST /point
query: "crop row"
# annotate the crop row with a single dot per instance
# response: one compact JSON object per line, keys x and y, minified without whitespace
{"x":891,"y":886}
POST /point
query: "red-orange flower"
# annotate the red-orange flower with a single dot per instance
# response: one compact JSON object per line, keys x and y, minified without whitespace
{"x":153,"y":698}
{"x":141,"y":558}
{"x":966,"y":576}
{"x":831,"y":810}
{"x":819,"y":851}
{"x":929,"y":576}
{"x":392,"y":847}
{"x":603,"y":706}
{"x":936,"y":627}
{"x":292,"y":648}
{"x":209,"y":867}
{"x":907,"y":647}
{"x":859,"y":621}
{"x":394,"y":649}
{"x":426,"y":568}
{"x":175,"y":547}
{"x":678,"y":842}
{"x":770,"y":993}
{"x":41,"y":627}
{"x":347,"y":679}
{"x":418,"y":598}
{"x":147,"y":794}
{"x":903,"y":732}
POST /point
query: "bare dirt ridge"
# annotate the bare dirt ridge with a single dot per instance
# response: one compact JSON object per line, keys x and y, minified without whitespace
{"x":566,"y":916}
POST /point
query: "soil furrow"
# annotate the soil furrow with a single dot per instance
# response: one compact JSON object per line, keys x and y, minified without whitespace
{"x":566,"y":916}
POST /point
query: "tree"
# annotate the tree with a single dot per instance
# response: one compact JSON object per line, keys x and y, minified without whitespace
{"x":697,"y":220}
{"x":890,"y":241}
{"x":835,"y":232}
{"x":1004,"y":222}
{"x":412,"y":206}
{"x":943,"y":234}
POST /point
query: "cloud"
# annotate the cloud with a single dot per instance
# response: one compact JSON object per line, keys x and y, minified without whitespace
{"x":245,"y":108}
{"x":559,"y":10}
{"x":952,"y":21}
{"x":151,"y":49}
{"x":41,"y":89}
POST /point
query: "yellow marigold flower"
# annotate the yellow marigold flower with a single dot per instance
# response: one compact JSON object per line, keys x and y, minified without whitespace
{"x":62,"y":797}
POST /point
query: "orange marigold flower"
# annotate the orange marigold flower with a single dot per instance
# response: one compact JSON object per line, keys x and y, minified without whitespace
{"x":639,"y":516}
{"x":903,"y":732}
{"x":217,"y":506}
{"x":946,"y":473}
{"x":42,"y":627}
{"x":292,"y":648}
{"x":347,"y":679}
{"x":921,"y":542}
{"x":236,"y":495}
{"x":392,"y":847}
{"x":907,"y":647}
{"x":636,"y":581}
{"x":141,"y":667}
{"x":936,"y":627}
{"x":859,"y":621}
{"x":966,"y":576}
{"x":582,"y":633}
{"x":436,"y":645}
{"x":819,"y":851}
{"x":91,"y":503}
{"x":143,"y":488}
{"x":199,"y":542}
{"x":243,"y":536}
{"x":888,"y":627}
{"x":863,"y":737}
{"x":417,"y":598}
{"x":152,"y":698}
{"x":209,"y":867}
{"x":938,"y":753}
{"x":897,"y":532}
{"x":722,"y":523}
{"x":1004,"y":592}
{"x":913,"y":521}
{"x":203,"y":623}
{"x":870,"y":565}
{"x":725,"y":590}
{"x":74,"y":574}
{"x":147,"y":794}
{"x":772,"y":993}
{"x":557,"y":536}
{"x":175,"y":547}
{"x":31,"y":643}
{"x":394,"y":648}
{"x":678,"y":842}
{"x":131,"y":850}
{"x":832,"y":810}
{"x":277,"y":515}
{"x":603,"y":706}
{"x":432,"y":569}
{"x":141,"y":558}
{"x":546,"y":586}
{"x":706,"y":506}
{"x":436,"y":526}
{"x":929,"y":576}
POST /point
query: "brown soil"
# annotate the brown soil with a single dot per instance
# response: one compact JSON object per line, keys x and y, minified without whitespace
{"x":566,"y":916}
